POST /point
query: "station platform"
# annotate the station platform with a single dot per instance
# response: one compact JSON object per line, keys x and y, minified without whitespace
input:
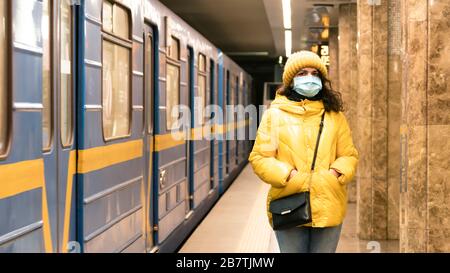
{"x":238,"y":224}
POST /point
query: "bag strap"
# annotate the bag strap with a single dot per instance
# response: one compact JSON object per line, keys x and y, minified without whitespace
{"x":317,"y":142}
{"x":315,"y":151}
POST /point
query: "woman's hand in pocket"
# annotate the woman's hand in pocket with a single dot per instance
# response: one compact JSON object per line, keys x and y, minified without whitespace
{"x":292,"y":174}
{"x":334,"y":172}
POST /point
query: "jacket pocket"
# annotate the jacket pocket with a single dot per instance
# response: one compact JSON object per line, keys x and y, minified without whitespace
{"x":332,"y":183}
{"x":293,"y":186}
{"x":330,"y":178}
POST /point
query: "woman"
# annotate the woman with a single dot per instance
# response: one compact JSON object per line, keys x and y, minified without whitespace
{"x":284,"y":149}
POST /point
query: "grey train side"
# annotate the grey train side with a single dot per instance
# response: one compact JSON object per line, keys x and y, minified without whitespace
{"x":88,"y":161}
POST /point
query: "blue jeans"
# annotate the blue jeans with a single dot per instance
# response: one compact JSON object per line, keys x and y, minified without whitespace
{"x":308,"y":239}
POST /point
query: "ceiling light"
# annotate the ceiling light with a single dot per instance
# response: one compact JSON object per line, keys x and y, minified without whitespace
{"x":288,"y":42}
{"x":326,"y":20}
{"x":248,"y":53}
{"x":287,"y":14}
{"x":325,"y":34}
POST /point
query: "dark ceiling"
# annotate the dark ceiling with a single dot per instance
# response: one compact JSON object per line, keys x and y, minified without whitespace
{"x":251,"y":32}
{"x":240,"y":28}
{"x":232,"y":25}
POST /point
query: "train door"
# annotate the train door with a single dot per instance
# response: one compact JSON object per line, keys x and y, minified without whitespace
{"x":200,"y":148}
{"x":237,"y":90}
{"x":213,"y":142}
{"x":227,"y":123}
{"x":149,"y":106}
{"x":66,"y":144}
{"x":189,"y":142}
{"x":219,"y":135}
{"x":37,"y":158}
{"x":59,"y":127}
{"x":231,"y":123}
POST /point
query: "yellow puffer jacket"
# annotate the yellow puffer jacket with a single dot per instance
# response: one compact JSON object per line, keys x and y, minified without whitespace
{"x":286,"y":140}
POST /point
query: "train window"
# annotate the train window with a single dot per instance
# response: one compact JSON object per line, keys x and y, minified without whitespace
{"x":174,"y":49}
{"x":212,"y":81}
{"x":232,"y":92}
{"x":121,"y":22}
{"x":173,"y":97}
{"x":236,"y":91}
{"x":116,"y":20}
{"x":227,"y":88}
{"x":202,"y":80}
{"x":173,"y":84}
{"x":3,"y":87}
{"x":66,"y":73}
{"x":244,"y":92}
{"x":201,"y":63}
{"x":46,"y":77}
{"x":149,"y":81}
{"x":116,"y":73}
{"x":107,"y":16}
{"x":116,"y":90}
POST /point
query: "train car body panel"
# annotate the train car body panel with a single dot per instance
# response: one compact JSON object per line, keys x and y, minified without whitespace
{"x":95,"y":163}
{"x":182,"y":167}
{"x":112,"y":199}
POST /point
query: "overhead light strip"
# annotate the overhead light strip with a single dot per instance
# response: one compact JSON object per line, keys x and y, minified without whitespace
{"x":288,"y":42}
{"x":287,"y":22}
{"x":287,"y":14}
{"x":248,"y":53}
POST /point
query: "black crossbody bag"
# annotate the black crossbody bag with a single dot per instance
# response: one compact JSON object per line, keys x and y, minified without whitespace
{"x":295,"y":210}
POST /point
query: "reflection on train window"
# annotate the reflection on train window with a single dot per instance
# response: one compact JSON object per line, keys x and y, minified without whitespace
{"x":232,"y":91}
{"x":202,"y":81}
{"x":174,"y":49}
{"x":201,"y":63}
{"x":173,"y":85}
{"x":116,"y":90}
{"x":149,"y":80}
{"x":107,"y":16}
{"x":121,"y":26}
{"x":173,"y":97}
{"x":116,"y":20}
{"x":236,"y":91}
{"x":46,"y":77}
{"x":66,"y":73}
{"x":116,"y":68}
{"x":3,"y":87}
{"x":25,"y":32}
{"x":227,"y":88}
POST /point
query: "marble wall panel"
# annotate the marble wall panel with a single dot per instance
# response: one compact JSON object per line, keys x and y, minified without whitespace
{"x":425,"y":207}
{"x":348,"y":74}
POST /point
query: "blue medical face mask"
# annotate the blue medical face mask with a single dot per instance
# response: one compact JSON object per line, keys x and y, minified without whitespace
{"x":308,"y":86}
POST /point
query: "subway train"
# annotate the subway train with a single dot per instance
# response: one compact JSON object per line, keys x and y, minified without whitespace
{"x":92,"y":154}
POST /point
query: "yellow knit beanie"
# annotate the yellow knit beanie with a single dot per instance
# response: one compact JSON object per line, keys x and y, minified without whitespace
{"x":300,"y":60}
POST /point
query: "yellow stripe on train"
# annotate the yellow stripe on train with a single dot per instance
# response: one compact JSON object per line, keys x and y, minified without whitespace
{"x":21,"y":177}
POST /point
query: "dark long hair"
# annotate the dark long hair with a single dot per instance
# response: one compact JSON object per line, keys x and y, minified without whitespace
{"x":332,"y":99}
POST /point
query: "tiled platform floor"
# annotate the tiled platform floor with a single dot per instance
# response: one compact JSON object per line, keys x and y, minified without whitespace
{"x":238,"y":224}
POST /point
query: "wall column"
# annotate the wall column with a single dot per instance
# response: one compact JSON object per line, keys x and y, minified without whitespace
{"x":333,"y":72}
{"x":394,"y":116}
{"x":425,"y":134}
{"x":348,"y":71}
{"x":372,"y":130}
